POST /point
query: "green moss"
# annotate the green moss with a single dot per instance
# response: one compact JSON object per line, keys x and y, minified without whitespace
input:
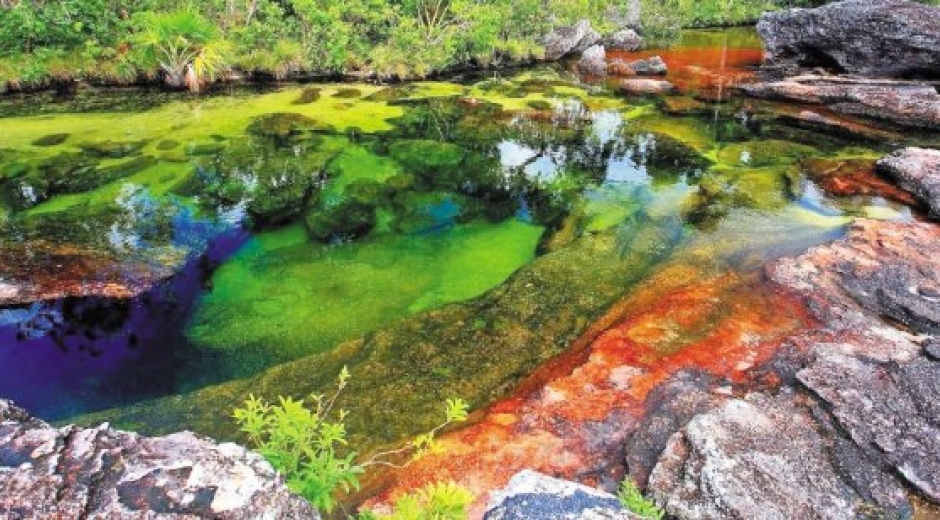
{"x":428,"y":158}
{"x":51,"y":140}
{"x":763,"y":153}
{"x":299,"y":303}
{"x":308,"y":95}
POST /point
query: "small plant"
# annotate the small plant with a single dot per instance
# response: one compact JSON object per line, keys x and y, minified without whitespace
{"x":435,"y":501}
{"x":311,"y":450}
{"x":634,"y":501}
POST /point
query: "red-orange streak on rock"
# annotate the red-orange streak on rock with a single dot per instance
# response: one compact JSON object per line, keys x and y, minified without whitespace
{"x":572,"y":417}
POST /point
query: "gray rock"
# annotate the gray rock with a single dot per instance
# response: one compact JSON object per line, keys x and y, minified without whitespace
{"x":893,"y":38}
{"x":932,"y":347}
{"x":886,"y":411}
{"x":575,"y":39}
{"x":532,"y":495}
{"x":73,"y":472}
{"x":625,"y":40}
{"x":759,"y":457}
{"x":593,"y":61}
{"x":645,"y":87}
{"x":904,"y":103}
{"x":654,"y":66}
{"x":917,"y":170}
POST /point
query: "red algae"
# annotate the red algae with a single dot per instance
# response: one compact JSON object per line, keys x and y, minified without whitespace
{"x":572,"y":416}
{"x":851,"y":177}
{"x":707,"y":70}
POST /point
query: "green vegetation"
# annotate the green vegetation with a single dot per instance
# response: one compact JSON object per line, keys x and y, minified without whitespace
{"x":634,"y":501}
{"x":308,"y":446}
{"x":190,"y":43}
{"x":435,"y":501}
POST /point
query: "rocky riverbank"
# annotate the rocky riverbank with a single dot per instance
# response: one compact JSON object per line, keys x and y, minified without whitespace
{"x":73,"y":472}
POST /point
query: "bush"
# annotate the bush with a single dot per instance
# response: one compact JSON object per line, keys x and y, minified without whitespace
{"x":310,"y":449}
{"x":634,"y":501}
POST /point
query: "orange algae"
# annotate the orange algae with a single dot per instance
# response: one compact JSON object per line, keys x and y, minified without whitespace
{"x":572,"y":416}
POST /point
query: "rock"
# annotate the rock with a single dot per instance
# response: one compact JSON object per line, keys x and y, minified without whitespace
{"x":654,"y":66}
{"x":839,"y":125}
{"x":888,"y":410}
{"x":683,"y":106}
{"x":73,"y":472}
{"x":932,"y":347}
{"x":565,"y":41}
{"x":37,"y":270}
{"x":51,"y":140}
{"x":533,"y":495}
{"x":350,"y":219}
{"x":904,"y":103}
{"x":918,"y":171}
{"x":593,"y":61}
{"x":645,"y":87}
{"x":626,"y":40}
{"x":893,"y":38}
{"x":759,"y":457}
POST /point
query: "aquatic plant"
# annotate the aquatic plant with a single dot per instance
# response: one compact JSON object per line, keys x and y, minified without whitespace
{"x":308,"y":445}
{"x":633,"y":500}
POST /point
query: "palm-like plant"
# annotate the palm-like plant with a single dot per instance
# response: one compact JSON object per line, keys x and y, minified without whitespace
{"x":185,"y":45}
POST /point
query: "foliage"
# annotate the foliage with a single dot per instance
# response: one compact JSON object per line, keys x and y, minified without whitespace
{"x":435,"y":501}
{"x":311,"y":449}
{"x":184,"y":44}
{"x":634,"y":501}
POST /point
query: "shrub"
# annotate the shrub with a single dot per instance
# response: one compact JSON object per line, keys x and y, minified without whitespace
{"x":310,"y":449}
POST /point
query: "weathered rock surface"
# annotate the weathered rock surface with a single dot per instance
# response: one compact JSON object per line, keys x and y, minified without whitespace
{"x":593,"y":61}
{"x":645,"y":87}
{"x":574,"y":39}
{"x":653,"y":66}
{"x":894,"y":38}
{"x":909,"y":104}
{"x":533,"y":495}
{"x":626,"y":40}
{"x":73,"y":472}
{"x":918,"y":171}
{"x":851,"y":429}
{"x":39,"y":271}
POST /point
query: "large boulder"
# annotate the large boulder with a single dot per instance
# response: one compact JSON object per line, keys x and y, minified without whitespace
{"x":917,"y":170}
{"x":574,"y":39}
{"x":73,"y":472}
{"x":533,"y":495}
{"x":894,"y":38}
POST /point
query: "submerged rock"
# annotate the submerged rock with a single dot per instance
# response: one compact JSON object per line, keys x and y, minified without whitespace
{"x":654,"y":66}
{"x":645,"y":87}
{"x":574,"y":39}
{"x":73,"y":472}
{"x":918,"y":171}
{"x":892,"y":38}
{"x":533,"y":495}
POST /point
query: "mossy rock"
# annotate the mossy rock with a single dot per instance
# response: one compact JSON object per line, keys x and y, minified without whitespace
{"x":308,"y":95}
{"x":389,"y":94}
{"x":426,"y":212}
{"x":426,"y":157}
{"x":167,"y":144}
{"x":401,"y":182}
{"x":539,"y":104}
{"x":368,"y":192}
{"x":348,"y":93}
{"x":200,"y":149}
{"x":112,"y":149}
{"x":285,"y":126}
{"x":106,"y":174}
{"x":762,"y":188}
{"x":346,"y":220}
{"x":764,"y":153}
{"x":51,"y":140}
{"x":13,"y":170}
{"x":666,"y":158}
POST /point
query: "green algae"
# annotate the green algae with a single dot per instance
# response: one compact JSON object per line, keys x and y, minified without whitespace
{"x":283,"y":297}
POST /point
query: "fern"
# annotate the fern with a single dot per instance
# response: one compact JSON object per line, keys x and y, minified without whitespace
{"x":436,"y":501}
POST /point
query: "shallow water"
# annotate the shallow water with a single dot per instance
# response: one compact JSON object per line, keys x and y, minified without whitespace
{"x":308,"y":217}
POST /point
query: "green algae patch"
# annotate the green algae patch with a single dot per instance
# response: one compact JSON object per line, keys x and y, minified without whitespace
{"x":282,"y":297}
{"x":478,"y":350}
